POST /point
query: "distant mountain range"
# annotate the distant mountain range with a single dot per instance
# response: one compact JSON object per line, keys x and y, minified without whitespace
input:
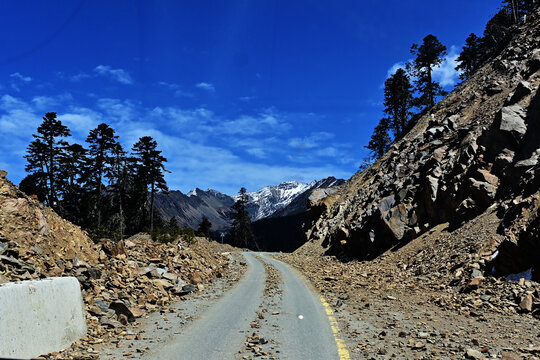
{"x":271,"y":201}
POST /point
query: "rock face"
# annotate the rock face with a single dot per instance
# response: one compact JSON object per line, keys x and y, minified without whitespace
{"x":189,"y":209}
{"x":477,"y":148}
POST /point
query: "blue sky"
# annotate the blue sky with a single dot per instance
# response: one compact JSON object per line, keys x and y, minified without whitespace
{"x":237,"y":93}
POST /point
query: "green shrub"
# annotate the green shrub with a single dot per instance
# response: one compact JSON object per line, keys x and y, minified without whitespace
{"x":167,"y":235}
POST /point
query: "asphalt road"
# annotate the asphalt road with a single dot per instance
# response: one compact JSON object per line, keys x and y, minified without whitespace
{"x":304,"y":330}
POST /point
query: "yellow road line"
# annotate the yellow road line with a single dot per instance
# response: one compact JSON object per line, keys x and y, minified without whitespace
{"x":342,"y":348}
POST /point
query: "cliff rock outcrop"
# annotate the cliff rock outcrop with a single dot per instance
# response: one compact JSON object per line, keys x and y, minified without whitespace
{"x":478,"y":148}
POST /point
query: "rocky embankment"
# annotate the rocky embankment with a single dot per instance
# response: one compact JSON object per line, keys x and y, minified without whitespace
{"x":404,"y":305}
{"x":120,"y":282}
{"x":476,"y":151}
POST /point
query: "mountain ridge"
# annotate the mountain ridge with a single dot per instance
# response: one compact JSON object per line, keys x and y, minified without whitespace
{"x":188,"y":209}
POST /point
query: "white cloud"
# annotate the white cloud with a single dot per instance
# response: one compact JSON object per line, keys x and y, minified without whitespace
{"x":49,"y":103}
{"x":119,"y":111}
{"x":446,"y":73}
{"x":79,"y":76}
{"x":206,"y":86}
{"x":80,"y":122}
{"x":119,"y":75}
{"x":267,"y":122}
{"x":257,"y":152}
{"x":204,"y":149}
{"x":329,"y":151}
{"x":178,"y":90}
{"x":20,"y":77}
{"x":394,"y":68}
{"x":314,"y":140}
{"x":8,"y":102}
{"x":246,"y":98}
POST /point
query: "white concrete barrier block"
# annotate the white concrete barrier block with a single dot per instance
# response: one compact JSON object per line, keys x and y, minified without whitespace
{"x":40,"y":316}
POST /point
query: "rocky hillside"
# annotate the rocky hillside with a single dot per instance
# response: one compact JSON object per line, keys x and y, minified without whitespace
{"x":189,"y":209}
{"x":120,"y":282}
{"x":476,"y":151}
{"x":28,"y":226}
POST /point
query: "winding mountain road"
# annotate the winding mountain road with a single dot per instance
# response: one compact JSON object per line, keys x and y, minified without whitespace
{"x":304,"y":327}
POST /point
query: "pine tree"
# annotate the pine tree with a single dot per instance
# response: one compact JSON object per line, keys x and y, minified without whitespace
{"x":398,"y":101}
{"x":469,"y":59}
{"x":497,"y":34}
{"x":102,"y":141}
{"x":241,"y":225}
{"x":33,"y":184}
{"x":119,"y":185}
{"x":36,"y":181}
{"x":149,"y":169}
{"x":44,"y":154}
{"x":380,"y":140}
{"x":205,"y":226}
{"x":72,"y":163}
{"x":517,"y":9}
{"x":429,"y":55}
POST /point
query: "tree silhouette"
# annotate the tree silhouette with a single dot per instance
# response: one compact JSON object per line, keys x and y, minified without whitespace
{"x":380,"y":140}
{"x":241,"y":225}
{"x":44,"y":152}
{"x":149,"y":169}
{"x":205,"y":226}
{"x":72,"y":164}
{"x":469,"y":59}
{"x":102,"y":141}
{"x":120,"y":180}
{"x":398,"y":101}
{"x":429,"y":55}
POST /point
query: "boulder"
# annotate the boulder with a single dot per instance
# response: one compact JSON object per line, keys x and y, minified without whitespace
{"x":526,"y":303}
{"x":396,"y":220}
{"x":513,"y":120}
{"x":523,"y":89}
{"x":122,"y":309}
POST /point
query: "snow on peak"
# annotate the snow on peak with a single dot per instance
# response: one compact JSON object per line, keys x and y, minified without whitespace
{"x":193,"y":192}
{"x":269,"y":199}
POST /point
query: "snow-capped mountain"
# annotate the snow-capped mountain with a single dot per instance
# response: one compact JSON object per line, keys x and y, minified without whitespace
{"x":269,"y":199}
{"x":299,"y":203}
{"x":282,"y":230}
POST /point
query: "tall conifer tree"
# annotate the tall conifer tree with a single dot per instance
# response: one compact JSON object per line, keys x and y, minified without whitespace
{"x":469,"y":59}
{"x":429,"y":55}
{"x":72,"y":163}
{"x":43,"y":155}
{"x":380,"y":140}
{"x":102,"y":141}
{"x":149,"y":169}
{"x":241,"y":225}
{"x":398,"y":101}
